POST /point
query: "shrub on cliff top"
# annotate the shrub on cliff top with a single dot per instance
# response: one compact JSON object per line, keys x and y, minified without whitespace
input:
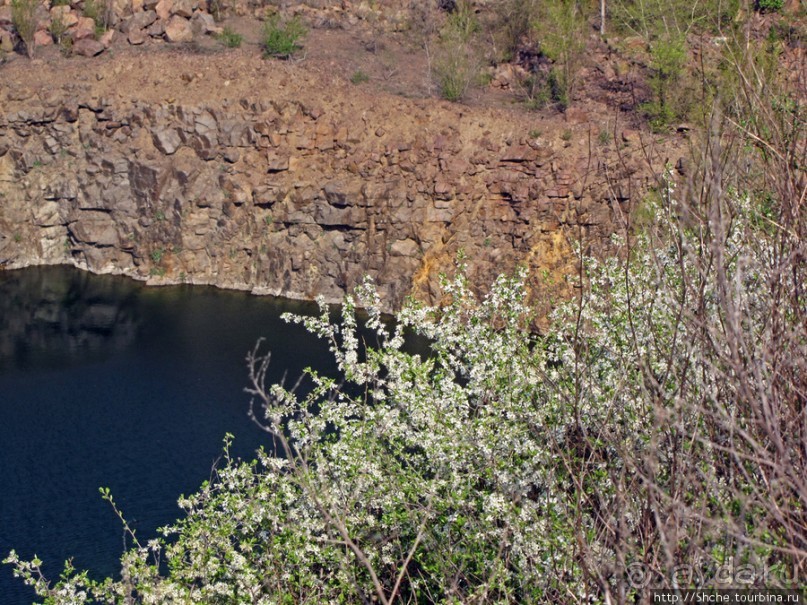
{"x":23,"y":16}
{"x":770,"y":6}
{"x":456,"y":62}
{"x":230,"y":38}
{"x":281,"y":37}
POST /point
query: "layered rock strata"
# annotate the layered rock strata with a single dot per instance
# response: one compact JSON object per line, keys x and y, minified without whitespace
{"x":279,"y":194}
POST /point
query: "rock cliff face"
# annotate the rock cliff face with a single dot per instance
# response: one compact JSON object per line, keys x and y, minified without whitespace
{"x":280,"y":189}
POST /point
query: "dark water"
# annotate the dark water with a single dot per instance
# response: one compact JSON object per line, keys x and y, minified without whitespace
{"x":104,"y":382}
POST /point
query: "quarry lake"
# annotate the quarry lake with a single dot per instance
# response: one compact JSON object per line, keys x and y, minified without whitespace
{"x":106,"y":382}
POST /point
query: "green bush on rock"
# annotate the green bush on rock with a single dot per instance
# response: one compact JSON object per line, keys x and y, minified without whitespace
{"x":23,"y":16}
{"x":230,"y":38}
{"x":281,"y":38}
{"x":770,"y":6}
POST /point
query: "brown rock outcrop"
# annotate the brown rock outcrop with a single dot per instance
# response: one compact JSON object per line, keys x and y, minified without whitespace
{"x":88,"y":47}
{"x":178,"y":29}
{"x":291,"y":193}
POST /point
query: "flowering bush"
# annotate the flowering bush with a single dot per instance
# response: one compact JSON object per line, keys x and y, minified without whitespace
{"x":658,"y":424}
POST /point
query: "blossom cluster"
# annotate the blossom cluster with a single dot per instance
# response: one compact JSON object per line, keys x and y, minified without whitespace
{"x":502,"y":466}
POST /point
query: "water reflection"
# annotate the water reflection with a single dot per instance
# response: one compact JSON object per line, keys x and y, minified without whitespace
{"x":50,"y":311}
{"x":106,"y":382}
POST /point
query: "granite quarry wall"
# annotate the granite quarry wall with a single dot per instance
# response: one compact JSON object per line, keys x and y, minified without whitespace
{"x":295,"y":198}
